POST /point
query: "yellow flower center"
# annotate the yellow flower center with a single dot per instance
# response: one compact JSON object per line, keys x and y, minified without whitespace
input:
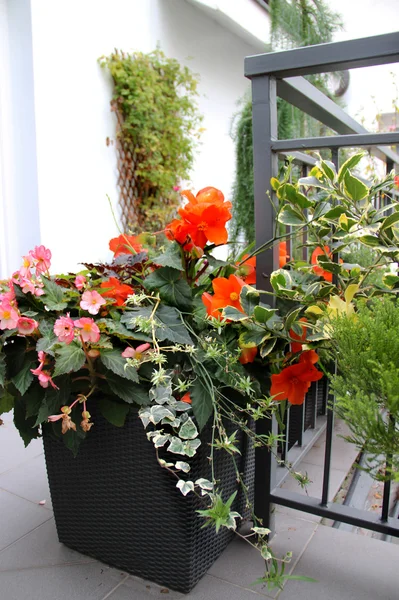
{"x":93,"y":301}
{"x":87,"y":327}
{"x":233,"y":296}
{"x":6,"y":315}
{"x":202,"y":226}
{"x":26,"y":263}
{"x":138,"y":356}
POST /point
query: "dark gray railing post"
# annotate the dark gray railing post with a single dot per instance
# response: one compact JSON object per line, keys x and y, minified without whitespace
{"x":264,"y":127}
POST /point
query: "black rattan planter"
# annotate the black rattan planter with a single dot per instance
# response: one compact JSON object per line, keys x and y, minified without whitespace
{"x":115,"y":503}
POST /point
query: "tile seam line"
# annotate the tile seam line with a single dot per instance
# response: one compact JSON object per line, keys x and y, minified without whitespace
{"x":23,"y":498}
{"x":240,"y":587}
{"x":25,"y":534}
{"x":115,"y":588}
{"x":56,"y":565}
{"x":298,"y":559}
{"x":21,"y":464}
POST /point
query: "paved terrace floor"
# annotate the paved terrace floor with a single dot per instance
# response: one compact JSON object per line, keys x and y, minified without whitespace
{"x":35,"y":566}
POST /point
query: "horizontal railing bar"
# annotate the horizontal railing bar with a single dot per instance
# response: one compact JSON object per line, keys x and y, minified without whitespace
{"x":299,"y":158}
{"x":324,"y":58}
{"x":337,"y":512}
{"x":337,"y":141}
{"x":301,"y":93}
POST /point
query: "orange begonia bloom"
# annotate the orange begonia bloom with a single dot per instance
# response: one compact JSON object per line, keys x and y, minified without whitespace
{"x":282,"y":254}
{"x":316,"y":268}
{"x":297,"y":346}
{"x":248,"y":355}
{"x":124,"y":245}
{"x":186,"y":398}
{"x":226,"y":293}
{"x":293,"y":382}
{"x":247,"y":270}
{"x":113,"y":288}
{"x":309,"y":356}
{"x":203,"y":219}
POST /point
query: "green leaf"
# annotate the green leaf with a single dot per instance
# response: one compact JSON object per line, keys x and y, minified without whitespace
{"x":289,"y":216}
{"x":201,"y":402}
{"x":46,"y":343}
{"x":2,"y":369}
{"x":70,"y":357}
{"x":263,"y":314}
{"x":349,"y":164}
{"x":369,"y":240}
{"x":281,"y":279}
{"x":313,"y":182}
{"x":73,"y":439}
{"x":54,"y":399}
{"x":232,"y":313}
{"x":355,"y":188}
{"x":171,"y":326}
{"x":176,"y":446}
{"x":328,"y":169}
{"x":6,"y":401}
{"x":114,"y":361}
{"x":254,"y":335}
{"x":53,"y":297}
{"x":172,"y":257}
{"x":34,"y":399}
{"x":267,"y":347}
{"x":249,"y":299}
{"x":26,"y":426}
{"x":390,"y":280}
{"x":289,"y":192}
{"x":389,"y":221}
{"x":114,"y":412}
{"x":127,"y":390}
{"x":291,"y":317}
{"x":274,"y":183}
{"x":185,"y":486}
{"x":24,"y":378}
{"x":172,"y":288}
{"x":188,"y":430}
{"x":117,"y":328}
{"x":335,"y":212}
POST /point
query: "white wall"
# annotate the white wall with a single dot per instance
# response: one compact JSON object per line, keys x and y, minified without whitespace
{"x":371,"y":89}
{"x":75,"y":167}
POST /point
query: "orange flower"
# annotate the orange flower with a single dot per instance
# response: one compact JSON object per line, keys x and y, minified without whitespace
{"x":295,"y":346}
{"x":293,"y":382}
{"x":248,"y":355}
{"x":124,"y":245}
{"x":203,"y":219}
{"x":282,"y":254}
{"x":247,"y":270}
{"x":396,"y":181}
{"x":226,"y":293}
{"x":316,"y":268}
{"x":309,"y":356}
{"x":113,"y":288}
{"x":186,"y":398}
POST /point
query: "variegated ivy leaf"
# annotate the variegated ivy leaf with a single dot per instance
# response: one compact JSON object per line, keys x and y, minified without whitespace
{"x":161,"y":394}
{"x":188,"y":431}
{"x":231,"y":520}
{"x":160,"y":440}
{"x":157,"y":413}
{"x":265,"y":552}
{"x":176,"y":446}
{"x":260,"y":530}
{"x":176,"y":423}
{"x":163,"y":463}
{"x":204,"y":484}
{"x":181,"y":406}
{"x":191,"y":446}
{"x":145,"y":417}
{"x":182,"y":466}
{"x":185,"y":486}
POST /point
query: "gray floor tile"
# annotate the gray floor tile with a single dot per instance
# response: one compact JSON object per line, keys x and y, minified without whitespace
{"x":242,"y":565}
{"x":18,"y":517}
{"x":209,"y":588}
{"x":16,"y":453}
{"x":29,"y":481}
{"x":40,"y":548}
{"x":78,"y":582}
{"x":346,"y":567}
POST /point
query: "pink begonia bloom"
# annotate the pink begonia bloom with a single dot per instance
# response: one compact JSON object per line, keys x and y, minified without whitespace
{"x":64,"y":329}
{"x":27,"y":264}
{"x":80,"y":282}
{"x":8,"y":316}
{"x":42,"y":258}
{"x":92,"y":302}
{"x":89,"y":330}
{"x":39,"y":291}
{"x":26,"y":326}
{"x":45,"y":379}
{"x":27,"y":285}
{"x":176,"y":188}
{"x":8,"y":296}
{"x":53,"y":418}
{"x":135,"y":352}
{"x":42,"y":357}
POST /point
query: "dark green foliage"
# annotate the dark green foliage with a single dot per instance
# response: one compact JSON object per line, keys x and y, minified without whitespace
{"x":367,"y":384}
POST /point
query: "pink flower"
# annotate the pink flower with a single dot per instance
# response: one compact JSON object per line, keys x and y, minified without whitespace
{"x":8,"y":316}
{"x":89,"y":330}
{"x":45,"y":379}
{"x":176,"y":188}
{"x":53,"y":418}
{"x":92,"y":301}
{"x":42,"y":358}
{"x":8,"y":296}
{"x":26,"y":326}
{"x":27,"y":264}
{"x":42,"y":258}
{"x":135,"y":352}
{"x":80,"y":282}
{"x":27,"y":285}
{"x":64,"y":329}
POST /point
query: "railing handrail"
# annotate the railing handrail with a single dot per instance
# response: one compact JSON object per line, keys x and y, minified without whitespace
{"x":324,"y":58}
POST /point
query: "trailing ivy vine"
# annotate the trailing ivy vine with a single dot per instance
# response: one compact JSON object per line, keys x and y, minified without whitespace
{"x":158,"y":128}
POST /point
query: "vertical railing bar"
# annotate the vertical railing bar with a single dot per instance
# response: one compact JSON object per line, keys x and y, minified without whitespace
{"x":285,"y":444}
{"x":264,"y":127}
{"x":388,"y":473}
{"x":313,"y":396}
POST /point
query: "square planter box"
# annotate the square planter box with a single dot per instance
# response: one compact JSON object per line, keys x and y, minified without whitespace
{"x":114,"y":502}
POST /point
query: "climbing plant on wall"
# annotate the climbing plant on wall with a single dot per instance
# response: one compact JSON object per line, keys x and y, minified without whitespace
{"x":293,"y":23}
{"x":158,"y":126}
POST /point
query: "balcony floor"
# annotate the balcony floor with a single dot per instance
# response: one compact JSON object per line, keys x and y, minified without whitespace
{"x":35,"y":566}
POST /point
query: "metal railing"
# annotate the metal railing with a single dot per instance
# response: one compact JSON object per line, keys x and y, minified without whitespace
{"x":281,"y":74}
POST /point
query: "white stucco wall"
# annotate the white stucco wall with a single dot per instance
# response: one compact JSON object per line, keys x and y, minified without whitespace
{"x":75,"y":168}
{"x":372,"y":89}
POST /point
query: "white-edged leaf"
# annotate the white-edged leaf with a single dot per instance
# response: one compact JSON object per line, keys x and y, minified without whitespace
{"x":185,"y":486}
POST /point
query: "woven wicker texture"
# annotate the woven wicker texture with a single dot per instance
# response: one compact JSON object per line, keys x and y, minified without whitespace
{"x":115,"y":503}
